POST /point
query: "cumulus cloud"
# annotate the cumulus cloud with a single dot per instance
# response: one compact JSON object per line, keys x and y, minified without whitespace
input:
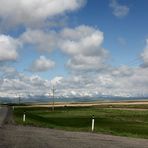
{"x":41,"y":64}
{"x":144,"y":55}
{"x":19,"y":84}
{"x":83,"y":44}
{"x":8,"y":48}
{"x":118,"y":9}
{"x":32,"y":12}
{"x":7,"y":69}
{"x":81,"y":40}
{"x":121,"y":81}
{"x":43,"y":41}
{"x":108,"y":84}
{"x":86,"y":63}
{"x":84,"y":47}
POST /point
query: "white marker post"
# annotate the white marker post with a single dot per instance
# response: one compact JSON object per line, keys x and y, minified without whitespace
{"x":93,"y":123}
{"x":24,"y":117}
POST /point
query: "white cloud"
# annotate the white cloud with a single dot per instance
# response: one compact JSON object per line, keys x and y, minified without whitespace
{"x":56,"y":81}
{"x":86,"y":63}
{"x":124,"y":81}
{"x":19,"y":84}
{"x":122,"y":71}
{"x":7,"y":69}
{"x":32,"y":12}
{"x":41,"y":64}
{"x":118,"y":9}
{"x":43,"y":41}
{"x":81,"y":40}
{"x":144,"y":55}
{"x":83,"y":44}
{"x":8,"y":48}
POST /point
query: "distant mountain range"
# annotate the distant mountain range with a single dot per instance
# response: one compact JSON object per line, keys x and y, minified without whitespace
{"x":44,"y":99}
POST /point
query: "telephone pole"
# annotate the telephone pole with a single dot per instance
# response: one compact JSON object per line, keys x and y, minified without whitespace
{"x":19,"y":99}
{"x":53,"y":92}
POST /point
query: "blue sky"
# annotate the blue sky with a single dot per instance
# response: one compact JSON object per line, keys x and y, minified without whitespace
{"x":72,"y":44}
{"x":129,"y":28}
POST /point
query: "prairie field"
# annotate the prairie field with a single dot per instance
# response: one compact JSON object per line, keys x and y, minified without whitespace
{"x":116,"y":119}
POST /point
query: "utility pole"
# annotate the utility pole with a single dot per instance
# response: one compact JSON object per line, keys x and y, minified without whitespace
{"x":19,"y":99}
{"x":53,"y":92}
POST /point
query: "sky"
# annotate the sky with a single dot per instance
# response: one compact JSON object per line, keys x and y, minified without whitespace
{"x":84,"y":48}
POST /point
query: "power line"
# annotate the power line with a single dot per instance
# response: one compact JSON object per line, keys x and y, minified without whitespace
{"x":134,"y":61}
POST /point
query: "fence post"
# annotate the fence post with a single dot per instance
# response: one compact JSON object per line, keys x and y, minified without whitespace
{"x":24,"y":117}
{"x":93,"y":123}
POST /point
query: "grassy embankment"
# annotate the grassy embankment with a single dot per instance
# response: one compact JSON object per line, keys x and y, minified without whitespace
{"x":133,"y":123}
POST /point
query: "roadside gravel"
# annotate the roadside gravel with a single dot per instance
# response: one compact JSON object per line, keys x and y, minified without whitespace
{"x":3,"y":115}
{"x":12,"y":136}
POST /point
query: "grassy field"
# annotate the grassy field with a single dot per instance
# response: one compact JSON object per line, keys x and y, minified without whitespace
{"x":133,"y":123}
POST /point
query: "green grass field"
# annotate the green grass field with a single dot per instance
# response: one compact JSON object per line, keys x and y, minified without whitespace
{"x":109,"y":121}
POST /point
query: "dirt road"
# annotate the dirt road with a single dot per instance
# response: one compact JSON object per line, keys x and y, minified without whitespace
{"x":12,"y":136}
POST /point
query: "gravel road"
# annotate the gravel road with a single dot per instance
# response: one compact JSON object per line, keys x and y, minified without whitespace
{"x":3,"y":114}
{"x":13,"y":136}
